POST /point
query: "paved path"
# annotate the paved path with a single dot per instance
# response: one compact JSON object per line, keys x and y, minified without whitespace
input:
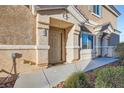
{"x":51,"y":76}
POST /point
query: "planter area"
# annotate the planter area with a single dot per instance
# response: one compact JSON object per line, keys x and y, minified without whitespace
{"x":8,"y":82}
{"x":108,"y":76}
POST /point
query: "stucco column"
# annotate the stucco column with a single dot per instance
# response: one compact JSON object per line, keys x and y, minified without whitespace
{"x":42,"y":47}
{"x":76,"y":43}
{"x":98,"y":44}
{"x":105,"y":49}
{"x":72,"y":46}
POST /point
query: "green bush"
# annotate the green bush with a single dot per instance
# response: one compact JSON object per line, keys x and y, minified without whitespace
{"x":110,"y":77}
{"x":76,"y":80}
{"x":120,"y":50}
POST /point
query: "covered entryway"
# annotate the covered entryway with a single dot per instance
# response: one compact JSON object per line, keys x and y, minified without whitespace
{"x":58,"y":36}
{"x":105,"y":45}
{"x":103,"y":34}
{"x":57,"y":45}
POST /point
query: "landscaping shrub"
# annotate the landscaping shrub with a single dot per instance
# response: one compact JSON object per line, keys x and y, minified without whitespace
{"x":77,"y":80}
{"x":110,"y":77}
{"x":120,"y":50}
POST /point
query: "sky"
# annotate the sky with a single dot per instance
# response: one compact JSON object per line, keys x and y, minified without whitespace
{"x":120,"y":21}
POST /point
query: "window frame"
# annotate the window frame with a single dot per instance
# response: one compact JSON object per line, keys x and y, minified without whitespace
{"x":87,"y":41}
{"x":99,"y":15}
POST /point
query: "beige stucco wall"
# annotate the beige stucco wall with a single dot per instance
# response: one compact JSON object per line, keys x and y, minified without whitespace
{"x":72,"y":45}
{"x":17,"y":35}
{"x":107,"y":16}
{"x":20,"y":27}
{"x":17,"y":25}
{"x":6,"y":60}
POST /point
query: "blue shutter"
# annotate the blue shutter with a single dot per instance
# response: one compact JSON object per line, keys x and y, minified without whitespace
{"x":97,"y":10}
{"x":90,"y":41}
{"x":84,"y":41}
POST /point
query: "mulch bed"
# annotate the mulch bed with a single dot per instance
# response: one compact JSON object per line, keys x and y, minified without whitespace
{"x":91,"y":75}
{"x":8,"y":82}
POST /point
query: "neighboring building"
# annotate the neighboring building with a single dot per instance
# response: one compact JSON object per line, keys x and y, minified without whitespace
{"x":48,"y":35}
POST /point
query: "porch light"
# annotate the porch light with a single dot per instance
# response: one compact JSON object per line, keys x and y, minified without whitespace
{"x":65,"y":15}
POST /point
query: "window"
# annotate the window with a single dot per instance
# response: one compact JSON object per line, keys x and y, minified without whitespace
{"x":96,"y":9}
{"x":87,"y":41}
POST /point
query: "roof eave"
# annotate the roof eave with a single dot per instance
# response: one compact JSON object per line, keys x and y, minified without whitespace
{"x":117,"y":31}
{"x":78,"y":15}
{"x":39,"y":8}
{"x":113,"y":10}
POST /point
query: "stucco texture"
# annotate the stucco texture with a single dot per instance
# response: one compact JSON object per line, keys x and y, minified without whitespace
{"x":6,"y":61}
{"x":17,"y":25}
{"x":106,"y":16}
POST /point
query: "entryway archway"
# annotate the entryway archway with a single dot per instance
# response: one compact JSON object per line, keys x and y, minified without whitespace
{"x":58,"y":36}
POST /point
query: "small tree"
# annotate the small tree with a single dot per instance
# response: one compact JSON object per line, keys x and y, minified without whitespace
{"x":120,"y":50}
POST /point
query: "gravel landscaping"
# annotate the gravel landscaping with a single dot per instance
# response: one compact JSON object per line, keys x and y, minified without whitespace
{"x":8,"y":82}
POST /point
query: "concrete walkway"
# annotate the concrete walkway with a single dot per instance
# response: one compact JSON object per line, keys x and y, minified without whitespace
{"x":53,"y":75}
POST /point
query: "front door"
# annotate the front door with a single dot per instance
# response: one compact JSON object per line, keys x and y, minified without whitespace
{"x":56,"y":45}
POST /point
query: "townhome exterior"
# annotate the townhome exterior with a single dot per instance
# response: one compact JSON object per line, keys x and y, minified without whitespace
{"x":103,"y":26}
{"x":57,"y":34}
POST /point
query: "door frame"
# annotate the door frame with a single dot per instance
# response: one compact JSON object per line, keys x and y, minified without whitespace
{"x":63,"y":46}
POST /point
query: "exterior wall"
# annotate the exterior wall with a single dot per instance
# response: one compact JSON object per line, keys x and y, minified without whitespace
{"x":106,"y":17}
{"x":86,"y":54}
{"x":17,"y":25}
{"x":72,"y":43}
{"x":112,"y":42}
{"x":28,"y":55}
{"x":36,"y":43}
{"x":24,"y":33}
{"x":17,"y":35}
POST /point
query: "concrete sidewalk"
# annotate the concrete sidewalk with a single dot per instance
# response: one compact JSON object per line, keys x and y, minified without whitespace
{"x":53,"y":75}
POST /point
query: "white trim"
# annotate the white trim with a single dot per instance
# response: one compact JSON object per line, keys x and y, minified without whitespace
{"x":86,"y":51}
{"x":72,"y":46}
{"x":87,"y":33}
{"x":98,"y":29}
{"x":37,"y":35}
{"x":42,"y":47}
{"x":92,"y":22}
{"x":76,"y":14}
{"x":100,"y":11}
{"x":23,"y":47}
{"x":109,"y":29}
{"x":33,"y":9}
{"x":105,"y":46}
{"x":17,"y":46}
{"x":116,"y":32}
{"x":89,"y":24}
{"x":50,"y":7}
{"x":96,"y":15}
{"x":113,"y":11}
